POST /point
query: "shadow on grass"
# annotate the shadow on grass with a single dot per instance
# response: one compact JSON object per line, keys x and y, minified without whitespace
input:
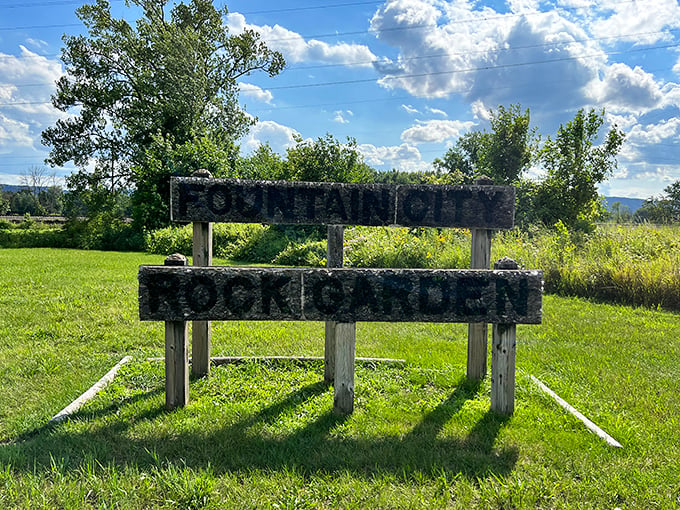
{"x":253,"y":442}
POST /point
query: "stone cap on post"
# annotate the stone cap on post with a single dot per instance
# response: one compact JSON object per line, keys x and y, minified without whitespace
{"x":506,"y":263}
{"x":176,"y":259}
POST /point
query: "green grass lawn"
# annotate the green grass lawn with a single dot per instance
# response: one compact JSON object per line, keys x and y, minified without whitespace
{"x":263,"y":434}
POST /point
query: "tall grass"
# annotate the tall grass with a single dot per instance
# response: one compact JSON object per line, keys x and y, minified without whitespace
{"x":633,"y":265}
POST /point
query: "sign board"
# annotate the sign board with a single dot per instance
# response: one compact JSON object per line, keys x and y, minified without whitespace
{"x":197,"y":199}
{"x":170,"y":293}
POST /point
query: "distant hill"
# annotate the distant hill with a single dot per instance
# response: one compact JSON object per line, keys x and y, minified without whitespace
{"x":10,"y":187}
{"x":633,"y":204}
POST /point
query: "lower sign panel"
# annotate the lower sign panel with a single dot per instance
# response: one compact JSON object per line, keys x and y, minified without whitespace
{"x":342,"y":295}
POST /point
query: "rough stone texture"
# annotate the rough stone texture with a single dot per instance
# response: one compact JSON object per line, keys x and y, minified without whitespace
{"x":323,"y":203}
{"x":475,"y":206}
{"x":342,"y":295}
{"x":311,"y":203}
{"x":219,"y":293}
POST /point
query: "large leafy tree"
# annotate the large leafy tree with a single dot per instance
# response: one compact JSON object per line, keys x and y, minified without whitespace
{"x":575,"y":164}
{"x":503,"y":153}
{"x":141,"y":92}
{"x":326,"y":159}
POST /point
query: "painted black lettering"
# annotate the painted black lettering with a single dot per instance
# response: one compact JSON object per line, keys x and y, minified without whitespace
{"x":469,"y":292}
{"x":189,"y":194}
{"x":456,"y":199}
{"x":434,"y":295}
{"x":312,"y":194}
{"x":219,"y":200}
{"x":488,"y":200}
{"x":363,"y":295}
{"x":516,"y":295}
{"x":162,"y":292}
{"x":281,"y":201}
{"x":438,"y":202}
{"x":375,"y":202}
{"x":239,"y":295}
{"x":271,"y":290}
{"x":396,"y":290}
{"x":201,"y":293}
{"x":334,"y":204}
{"x":416,"y":205}
{"x":354,"y":204}
{"x":248,"y":201}
{"x":328,"y":295}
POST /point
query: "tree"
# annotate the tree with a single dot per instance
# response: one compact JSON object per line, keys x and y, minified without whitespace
{"x":263,"y":163}
{"x":662,"y":209}
{"x":620,"y":213}
{"x":575,"y":165}
{"x":4,"y":203}
{"x":502,"y":154}
{"x":35,"y":179}
{"x":326,"y":159}
{"x":168,"y":80}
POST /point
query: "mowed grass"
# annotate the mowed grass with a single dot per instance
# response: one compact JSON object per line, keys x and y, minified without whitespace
{"x":263,"y":434}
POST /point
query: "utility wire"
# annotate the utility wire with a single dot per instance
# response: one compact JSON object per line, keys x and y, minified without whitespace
{"x":435,"y":73}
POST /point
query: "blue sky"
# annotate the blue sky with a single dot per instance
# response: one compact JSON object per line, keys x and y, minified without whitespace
{"x":405,"y":78}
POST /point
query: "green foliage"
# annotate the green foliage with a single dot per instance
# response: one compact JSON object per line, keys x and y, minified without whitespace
{"x":403,"y":247}
{"x":263,"y":163}
{"x":502,"y":154}
{"x":633,"y":265}
{"x":307,"y":253}
{"x":4,"y":204}
{"x":575,"y":165}
{"x":326,"y":159}
{"x":103,"y":232}
{"x":170,"y":77}
{"x":664,"y":209}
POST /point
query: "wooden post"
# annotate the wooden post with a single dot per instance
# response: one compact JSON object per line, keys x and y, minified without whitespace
{"x":478,"y":335}
{"x":345,"y":341}
{"x":200,"y":330}
{"x":334,"y":258}
{"x":504,"y":340}
{"x":176,"y":354}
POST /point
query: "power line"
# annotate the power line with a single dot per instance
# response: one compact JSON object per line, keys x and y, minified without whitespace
{"x":469,"y":70}
{"x":45,"y":3}
{"x":310,"y":8}
{"x":499,"y":50}
{"x":434,"y":73}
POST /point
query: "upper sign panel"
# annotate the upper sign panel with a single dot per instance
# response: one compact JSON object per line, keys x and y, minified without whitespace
{"x":323,"y":203}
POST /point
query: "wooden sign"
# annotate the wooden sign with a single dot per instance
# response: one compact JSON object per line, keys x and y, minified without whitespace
{"x":344,"y":295}
{"x":196,"y":199}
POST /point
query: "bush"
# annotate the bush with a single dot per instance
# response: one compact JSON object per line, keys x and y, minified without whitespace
{"x":310,"y":253}
{"x":103,"y":232}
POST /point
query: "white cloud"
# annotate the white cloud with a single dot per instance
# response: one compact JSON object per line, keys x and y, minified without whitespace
{"x":626,"y":89}
{"x":402,"y":157}
{"x":436,"y":111}
{"x":641,"y":22}
{"x":409,"y":109}
{"x":27,"y":110}
{"x":486,"y":56}
{"x":341,"y":116}
{"x":278,"y":136}
{"x":435,"y":131}
{"x":14,"y":133}
{"x":295,"y":49}
{"x":257,"y":93}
